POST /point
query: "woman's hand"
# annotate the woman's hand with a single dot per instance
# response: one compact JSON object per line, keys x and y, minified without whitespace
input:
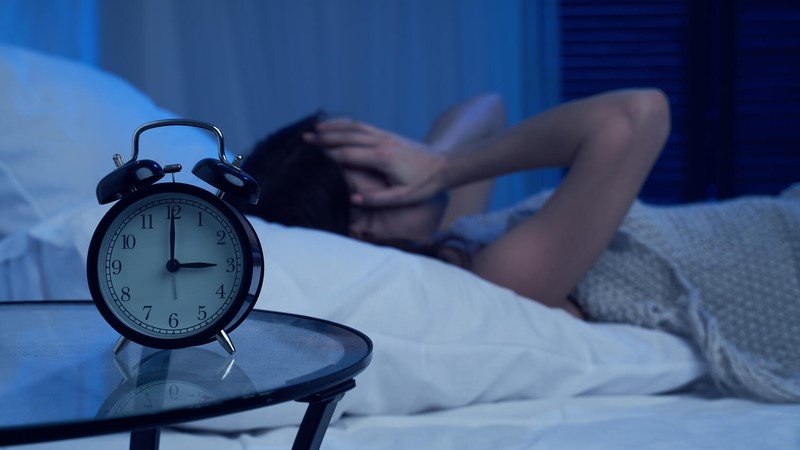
{"x":412,"y":170}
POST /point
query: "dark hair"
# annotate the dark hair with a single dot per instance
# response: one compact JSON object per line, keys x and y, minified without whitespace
{"x":300,"y":185}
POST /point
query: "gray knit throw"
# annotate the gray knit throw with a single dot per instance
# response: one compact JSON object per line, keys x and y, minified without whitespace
{"x":724,"y":275}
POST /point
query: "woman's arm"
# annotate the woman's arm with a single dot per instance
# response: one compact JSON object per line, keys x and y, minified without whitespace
{"x":475,"y":119}
{"x":609,"y":142}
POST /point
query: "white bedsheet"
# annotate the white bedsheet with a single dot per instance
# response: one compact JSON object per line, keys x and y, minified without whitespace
{"x":597,"y":423}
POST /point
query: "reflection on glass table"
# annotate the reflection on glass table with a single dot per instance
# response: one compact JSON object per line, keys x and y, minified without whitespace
{"x":59,"y":378}
{"x":172,"y":379}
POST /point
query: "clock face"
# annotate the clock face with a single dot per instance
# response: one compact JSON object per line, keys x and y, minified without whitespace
{"x":172,"y":263}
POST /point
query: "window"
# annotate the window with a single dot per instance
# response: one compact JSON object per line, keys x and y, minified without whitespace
{"x":731,"y":70}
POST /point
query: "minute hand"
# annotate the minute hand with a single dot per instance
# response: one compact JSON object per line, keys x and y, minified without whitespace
{"x":172,"y":236}
{"x":195,"y":265}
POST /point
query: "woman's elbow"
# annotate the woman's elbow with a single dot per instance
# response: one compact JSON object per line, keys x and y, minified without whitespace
{"x":648,"y":110}
{"x":633,"y":122}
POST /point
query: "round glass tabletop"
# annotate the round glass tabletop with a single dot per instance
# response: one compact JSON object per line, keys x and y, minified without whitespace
{"x":59,"y":377}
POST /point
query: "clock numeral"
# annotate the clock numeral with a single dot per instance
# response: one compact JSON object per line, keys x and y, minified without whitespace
{"x":147,"y":221}
{"x":128,"y":241}
{"x":199,"y":218}
{"x":147,"y":309}
{"x":231,"y":265}
{"x":173,"y":211}
{"x":173,"y":391}
{"x":173,"y":320}
{"x":126,"y":294}
{"x":116,"y":267}
{"x":221,"y":236}
{"x":147,"y":402}
{"x":221,"y":291}
{"x":201,"y":312}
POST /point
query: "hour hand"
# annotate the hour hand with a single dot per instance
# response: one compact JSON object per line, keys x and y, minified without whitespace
{"x":196,"y":265}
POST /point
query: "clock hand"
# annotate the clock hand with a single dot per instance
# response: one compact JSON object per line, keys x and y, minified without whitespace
{"x":195,"y":265}
{"x":171,"y":235}
{"x":172,"y":264}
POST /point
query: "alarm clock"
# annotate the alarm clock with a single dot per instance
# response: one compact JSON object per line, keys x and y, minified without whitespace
{"x":172,"y":265}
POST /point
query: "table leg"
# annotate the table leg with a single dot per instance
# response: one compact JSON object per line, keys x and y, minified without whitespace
{"x":145,"y":439}
{"x":318,"y":416}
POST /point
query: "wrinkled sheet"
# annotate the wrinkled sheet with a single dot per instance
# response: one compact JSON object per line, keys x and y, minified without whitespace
{"x":672,"y":422}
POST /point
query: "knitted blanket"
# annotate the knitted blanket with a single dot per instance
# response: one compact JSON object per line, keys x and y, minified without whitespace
{"x":724,"y":275}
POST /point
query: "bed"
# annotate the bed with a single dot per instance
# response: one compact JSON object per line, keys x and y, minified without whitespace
{"x":458,"y":363}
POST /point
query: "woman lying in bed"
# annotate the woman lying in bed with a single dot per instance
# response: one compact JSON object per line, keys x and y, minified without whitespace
{"x":721,"y":275}
{"x":609,"y":141}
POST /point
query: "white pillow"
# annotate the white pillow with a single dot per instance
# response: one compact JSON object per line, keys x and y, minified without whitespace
{"x":60,"y":124}
{"x":443,"y":337}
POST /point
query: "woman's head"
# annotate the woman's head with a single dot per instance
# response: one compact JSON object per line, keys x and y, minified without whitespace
{"x":304,"y":187}
{"x":300,"y":185}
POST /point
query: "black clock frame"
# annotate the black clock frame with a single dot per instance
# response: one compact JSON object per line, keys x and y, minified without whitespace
{"x":241,"y":305}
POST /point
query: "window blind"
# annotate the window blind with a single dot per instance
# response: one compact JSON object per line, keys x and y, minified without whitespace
{"x":731,"y":69}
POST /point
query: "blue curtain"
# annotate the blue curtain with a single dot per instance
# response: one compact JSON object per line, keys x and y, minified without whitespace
{"x":249,"y":66}
{"x":65,"y":28}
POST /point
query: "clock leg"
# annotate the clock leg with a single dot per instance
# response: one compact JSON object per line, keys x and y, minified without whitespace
{"x":123,"y":368}
{"x":224,"y":371}
{"x":121,"y":343}
{"x":225,"y":342}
